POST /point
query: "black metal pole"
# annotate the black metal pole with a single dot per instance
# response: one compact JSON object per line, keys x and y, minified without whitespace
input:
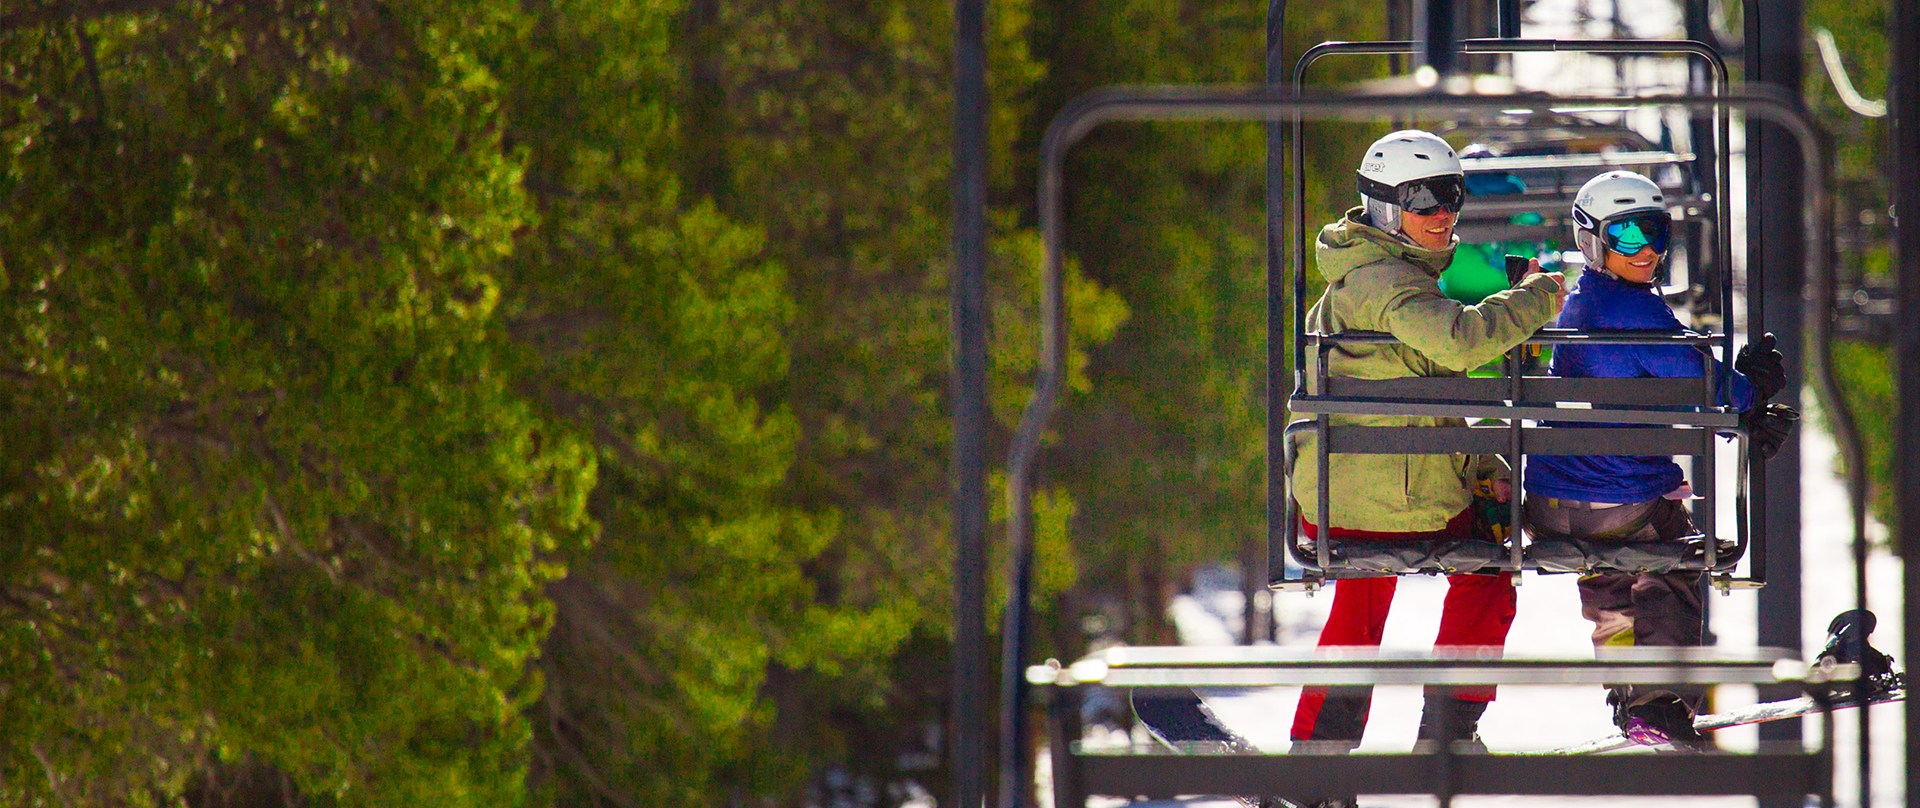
{"x":967,"y":296}
{"x":1279,"y":353}
{"x":1903,"y":87}
{"x":1509,"y":19}
{"x":1775,"y":239}
{"x":1710,"y":276}
{"x":1434,"y":37}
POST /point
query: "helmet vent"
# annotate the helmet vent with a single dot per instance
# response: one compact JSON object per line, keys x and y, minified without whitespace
{"x":1422,"y":157}
{"x":1624,"y":200}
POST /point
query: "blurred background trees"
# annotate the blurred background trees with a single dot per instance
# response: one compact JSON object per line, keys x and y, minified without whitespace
{"x":1862,"y":168}
{"x":489,"y":403}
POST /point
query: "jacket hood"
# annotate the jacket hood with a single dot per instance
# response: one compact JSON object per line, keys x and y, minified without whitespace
{"x":1351,"y":243}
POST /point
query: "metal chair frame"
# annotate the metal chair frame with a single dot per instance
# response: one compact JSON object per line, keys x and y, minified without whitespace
{"x":1525,"y":398}
{"x":1084,"y":113}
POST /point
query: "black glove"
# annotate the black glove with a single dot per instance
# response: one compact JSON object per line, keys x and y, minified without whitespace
{"x":1768,"y":426}
{"x":1763,"y":365}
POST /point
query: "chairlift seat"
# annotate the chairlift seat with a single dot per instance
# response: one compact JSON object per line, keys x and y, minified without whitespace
{"x":1555,"y":553}
{"x":1366,"y":558}
{"x":1534,"y":415}
{"x":1547,"y":554}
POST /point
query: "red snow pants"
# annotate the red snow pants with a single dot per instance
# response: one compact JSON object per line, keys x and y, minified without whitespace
{"x":1478,"y":611}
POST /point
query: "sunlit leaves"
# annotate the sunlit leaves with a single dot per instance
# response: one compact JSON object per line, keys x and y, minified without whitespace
{"x":272,"y":497}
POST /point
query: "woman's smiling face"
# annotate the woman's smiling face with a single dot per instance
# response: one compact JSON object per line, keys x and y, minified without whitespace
{"x":1638,"y":267}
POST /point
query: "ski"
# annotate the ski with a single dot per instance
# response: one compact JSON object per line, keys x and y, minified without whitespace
{"x":1846,"y":644}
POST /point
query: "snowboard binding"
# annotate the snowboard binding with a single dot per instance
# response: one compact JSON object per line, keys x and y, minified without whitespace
{"x":1847,"y":645}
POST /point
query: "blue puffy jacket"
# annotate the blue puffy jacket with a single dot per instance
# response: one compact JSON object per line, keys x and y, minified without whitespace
{"x":1600,"y":301}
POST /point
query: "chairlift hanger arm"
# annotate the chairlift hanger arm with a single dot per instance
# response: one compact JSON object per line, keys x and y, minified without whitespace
{"x":1252,"y":103}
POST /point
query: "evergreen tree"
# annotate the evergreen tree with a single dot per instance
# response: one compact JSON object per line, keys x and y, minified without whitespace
{"x":276,"y":519}
{"x":1166,"y":457}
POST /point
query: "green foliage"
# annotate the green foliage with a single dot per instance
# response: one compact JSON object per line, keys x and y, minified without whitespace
{"x":1163,"y":454}
{"x":270,"y":498}
{"x":1862,"y":163}
{"x":492,"y":403}
{"x":1866,"y":376}
{"x":654,"y":326}
{"x":835,"y":136}
{"x":1860,"y":33}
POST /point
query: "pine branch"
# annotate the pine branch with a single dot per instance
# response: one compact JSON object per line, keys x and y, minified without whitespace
{"x":37,"y":17}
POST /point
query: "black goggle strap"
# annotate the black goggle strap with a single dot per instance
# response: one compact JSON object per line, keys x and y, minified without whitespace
{"x":1374,"y":189}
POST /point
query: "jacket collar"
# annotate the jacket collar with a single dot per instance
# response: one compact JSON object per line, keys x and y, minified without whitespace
{"x":1432,"y":262}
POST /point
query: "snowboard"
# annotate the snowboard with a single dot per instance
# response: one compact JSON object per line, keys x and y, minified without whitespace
{"x":1180,"y":720}
{"x":1757,"y":714}
{"x":1846,"y":644}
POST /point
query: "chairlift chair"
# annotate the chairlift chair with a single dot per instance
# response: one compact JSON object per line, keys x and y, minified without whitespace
{"x":1622,"y":415}
{"x":1678,"y":403}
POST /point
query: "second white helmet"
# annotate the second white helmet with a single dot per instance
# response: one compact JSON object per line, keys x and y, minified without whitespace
{"x":1616,"y":197}
{"x":1399,"y":172}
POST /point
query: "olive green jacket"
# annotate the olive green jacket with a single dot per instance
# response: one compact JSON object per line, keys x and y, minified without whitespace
{"x":1377,"y":282}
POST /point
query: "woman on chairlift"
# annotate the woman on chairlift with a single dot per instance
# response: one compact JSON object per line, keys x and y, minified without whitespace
{"x":1381,"y":262}
{"x":1621,"y":227}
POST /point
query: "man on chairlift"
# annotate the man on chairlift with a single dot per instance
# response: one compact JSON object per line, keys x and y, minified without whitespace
{"x":1621,"y":227}
{"x":1381,"y":262}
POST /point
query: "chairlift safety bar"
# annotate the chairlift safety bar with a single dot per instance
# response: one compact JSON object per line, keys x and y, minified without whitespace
{"x":1265,"y":666}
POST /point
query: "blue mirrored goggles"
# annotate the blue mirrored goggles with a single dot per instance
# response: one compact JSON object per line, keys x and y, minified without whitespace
{"x":1631,"y":235}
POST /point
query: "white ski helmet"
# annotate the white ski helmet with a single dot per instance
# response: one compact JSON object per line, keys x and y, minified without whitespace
{"x":1391,"y":171}
{"x":1611,"y":199}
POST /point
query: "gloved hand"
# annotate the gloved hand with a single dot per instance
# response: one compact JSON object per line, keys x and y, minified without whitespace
{"x":1492,"y":509}
{"x":1763,"y":365}
{"x":1768,"y":426}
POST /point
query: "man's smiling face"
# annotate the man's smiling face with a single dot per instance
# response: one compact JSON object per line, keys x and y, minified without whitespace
{"x":1433,"y":232}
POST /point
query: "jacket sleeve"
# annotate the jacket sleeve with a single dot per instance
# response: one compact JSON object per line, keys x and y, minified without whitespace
{"x":1456,"y":336}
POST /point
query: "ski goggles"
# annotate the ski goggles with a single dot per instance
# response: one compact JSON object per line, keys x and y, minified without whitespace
{"x":1422,"y":197}
{"x":1635,"y":233}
